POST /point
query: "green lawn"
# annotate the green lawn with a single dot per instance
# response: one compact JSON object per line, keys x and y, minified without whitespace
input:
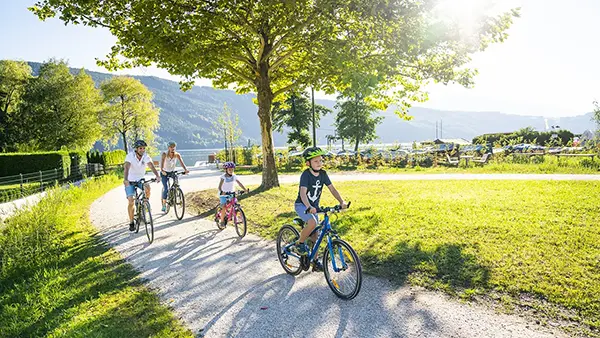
{"x":527,"y":243}
{"x":58,"y":280}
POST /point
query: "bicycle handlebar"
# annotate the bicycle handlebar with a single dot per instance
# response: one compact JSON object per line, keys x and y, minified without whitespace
{"x":336,"y":208}
{"x":143,"y":180}
{"x":239,"y":192}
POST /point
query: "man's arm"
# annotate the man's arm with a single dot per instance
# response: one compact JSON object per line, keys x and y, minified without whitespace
{"x":126,"y":173}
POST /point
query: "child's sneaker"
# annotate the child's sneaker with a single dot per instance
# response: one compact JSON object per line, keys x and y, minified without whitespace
{"x":300,"y":249}
{"x":164,"y":208}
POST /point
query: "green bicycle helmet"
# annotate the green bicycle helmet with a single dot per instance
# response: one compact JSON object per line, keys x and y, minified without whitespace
{"x":312,"y":152}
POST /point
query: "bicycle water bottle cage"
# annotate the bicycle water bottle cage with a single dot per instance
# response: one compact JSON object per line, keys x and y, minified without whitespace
{"x":299,"y":221}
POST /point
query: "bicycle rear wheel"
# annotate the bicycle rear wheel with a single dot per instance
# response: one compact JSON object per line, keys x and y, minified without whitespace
{"x":147,"y":212}
{"x":218,"y":218}
{"x":289,"y":262}
{"x":346,"y":278}
{"x":178,"y":203}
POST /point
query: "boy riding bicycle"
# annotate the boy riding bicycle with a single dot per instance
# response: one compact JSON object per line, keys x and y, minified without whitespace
{"x":226,"y":185}
{"x":311,"y":185}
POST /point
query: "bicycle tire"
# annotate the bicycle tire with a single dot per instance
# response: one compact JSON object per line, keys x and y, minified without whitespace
{"x":177,"y":198}
{"x":240,"y":227}
{"x":332,"y":282}
{"x":218,"y":219}
{"x":137,"y":216}
{"x":147,"y":212}
{"x":169,"y":201}
{"x":283,"y":257}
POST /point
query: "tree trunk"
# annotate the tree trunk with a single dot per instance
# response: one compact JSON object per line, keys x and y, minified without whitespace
{"x":356,"y":145}
{"x":124,"y":142}
{"x":265,"y":99}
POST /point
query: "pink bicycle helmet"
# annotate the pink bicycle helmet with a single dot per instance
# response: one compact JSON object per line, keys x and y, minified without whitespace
{"x":228,"y":165}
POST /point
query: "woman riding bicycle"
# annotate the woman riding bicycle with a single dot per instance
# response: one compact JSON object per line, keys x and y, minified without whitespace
{"x":168,"y":162}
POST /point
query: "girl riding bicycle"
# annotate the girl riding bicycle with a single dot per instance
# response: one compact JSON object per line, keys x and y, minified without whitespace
{"x":226,"y":185}
{"x":312,"y":181}
{"x":168,"y":162}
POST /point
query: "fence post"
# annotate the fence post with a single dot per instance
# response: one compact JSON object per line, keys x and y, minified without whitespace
{"x":56,"y":175}
{"x":41,"y":182}
{"x":22,"y":192}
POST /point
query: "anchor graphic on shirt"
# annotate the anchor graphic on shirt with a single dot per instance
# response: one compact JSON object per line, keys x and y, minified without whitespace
{"x":316,"y":194}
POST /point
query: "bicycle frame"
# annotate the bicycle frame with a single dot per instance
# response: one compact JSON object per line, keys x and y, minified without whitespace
{"x":326,"y":230}
{"x":231,"y":204}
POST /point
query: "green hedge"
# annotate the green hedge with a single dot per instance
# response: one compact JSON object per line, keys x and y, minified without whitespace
{"x":23,"y":163}
{"x":107,"y":158}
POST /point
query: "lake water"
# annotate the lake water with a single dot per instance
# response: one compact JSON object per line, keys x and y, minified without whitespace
{"x":191,"y":156}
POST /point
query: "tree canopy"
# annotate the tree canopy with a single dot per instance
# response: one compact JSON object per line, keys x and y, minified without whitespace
{"x":273,"y":46}
{"x":129,"y":113}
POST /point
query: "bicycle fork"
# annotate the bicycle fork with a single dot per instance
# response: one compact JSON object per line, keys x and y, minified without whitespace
{"x":332,"y":254}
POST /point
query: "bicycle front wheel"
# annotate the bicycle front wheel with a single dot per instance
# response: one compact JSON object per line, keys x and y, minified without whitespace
{"x":289,"y":262}
{"x":138,"y":216}
{"x":169,"y":201}
{"x":342,"y":269}
{"x":147,"y":214}
{"x":178,"y":203}
{"x":240,"y":222}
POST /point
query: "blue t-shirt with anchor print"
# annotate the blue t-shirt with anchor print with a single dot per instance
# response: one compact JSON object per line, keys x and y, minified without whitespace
{"x":314,"y":184}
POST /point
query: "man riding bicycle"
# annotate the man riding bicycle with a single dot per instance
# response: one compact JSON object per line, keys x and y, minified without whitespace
{"x":135,"y":169}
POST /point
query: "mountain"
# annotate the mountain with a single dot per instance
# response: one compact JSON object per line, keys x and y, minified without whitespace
{"x":189,"y":118}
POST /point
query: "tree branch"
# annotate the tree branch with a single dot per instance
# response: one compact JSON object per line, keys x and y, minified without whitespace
{"x":281,"y":60}
{"x":283,"y":90}
{"x":237,"y":72}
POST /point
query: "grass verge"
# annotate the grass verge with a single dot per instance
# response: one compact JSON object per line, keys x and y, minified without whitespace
{"x":522,"y":245}
{"x":505,"y":165}
{"x":58,"y":279}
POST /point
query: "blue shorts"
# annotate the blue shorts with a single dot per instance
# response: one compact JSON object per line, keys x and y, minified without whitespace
{"x":130,"y":189}
{"x":223,"y":199}
{"x":300,"y":209}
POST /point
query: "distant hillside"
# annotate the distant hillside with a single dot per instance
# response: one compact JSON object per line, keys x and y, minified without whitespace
{"x":190,"y":117}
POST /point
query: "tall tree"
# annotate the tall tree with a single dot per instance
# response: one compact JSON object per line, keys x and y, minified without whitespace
{"x":295,"y":113}
{"x":14,"y":75}
{"x":355,"y":120}
{"x":273,"y":46}
{"x":129,"y":111}
{"x":59,"y":110}
{"x":596,"y":118}
{"x":229,"y":124}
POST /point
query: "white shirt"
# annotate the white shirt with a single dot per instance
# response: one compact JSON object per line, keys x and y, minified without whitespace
{"x":228,"y":182}
{"x":137,"y":170}
{"x":170,"y":163}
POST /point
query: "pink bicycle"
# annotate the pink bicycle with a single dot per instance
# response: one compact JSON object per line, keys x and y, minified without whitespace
{"x":234,"y":213}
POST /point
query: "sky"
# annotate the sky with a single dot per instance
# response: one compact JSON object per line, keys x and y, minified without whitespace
{"x":549,"y":65}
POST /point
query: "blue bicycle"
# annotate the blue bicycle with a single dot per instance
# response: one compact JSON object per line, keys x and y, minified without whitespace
{"x":341,"y":264}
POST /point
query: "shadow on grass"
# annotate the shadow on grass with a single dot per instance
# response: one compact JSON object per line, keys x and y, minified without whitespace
{"x":447,"y":267}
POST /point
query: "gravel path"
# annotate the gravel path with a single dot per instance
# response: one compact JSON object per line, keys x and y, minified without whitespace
{"x":221,"y":286}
